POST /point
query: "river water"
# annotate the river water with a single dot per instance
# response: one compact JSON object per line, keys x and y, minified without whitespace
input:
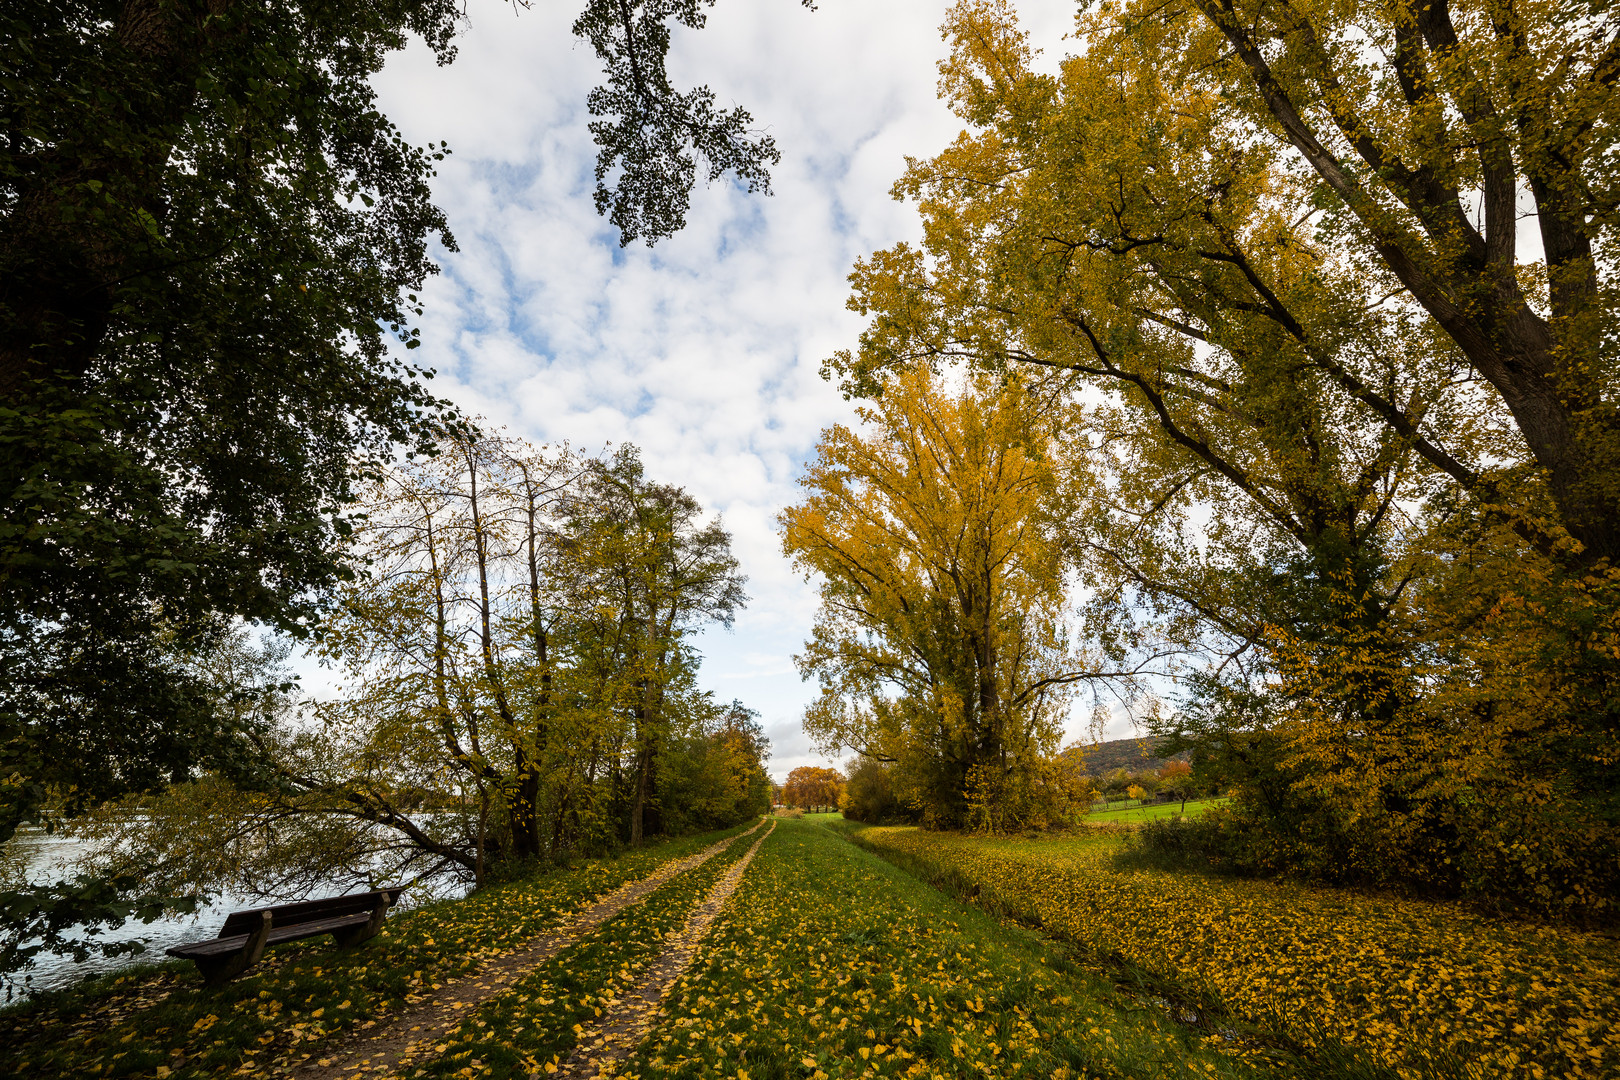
{"x":47,"y":858}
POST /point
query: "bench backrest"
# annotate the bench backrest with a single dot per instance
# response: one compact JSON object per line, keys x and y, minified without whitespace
{"x":245,"y":922}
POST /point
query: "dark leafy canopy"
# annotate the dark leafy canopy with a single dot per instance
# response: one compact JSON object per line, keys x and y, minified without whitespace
{"x":44,"y":917}
{"x":208,"y":234}
{"x":209,"y":230}
{"x":654,"y":133}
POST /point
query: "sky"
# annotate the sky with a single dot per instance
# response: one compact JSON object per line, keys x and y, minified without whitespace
{"x":703,"y":351}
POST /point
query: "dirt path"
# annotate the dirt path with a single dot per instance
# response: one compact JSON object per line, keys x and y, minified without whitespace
{"x":410,"y":1037}
{"x":622,"y":1027}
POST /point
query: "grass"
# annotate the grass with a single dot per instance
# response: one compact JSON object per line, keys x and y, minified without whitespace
{"x":830,"y":962}
{"x":160,"y":1020}
{"x":537,"y":1023}
{"x":1135,"y":813}
{"x":1419,"y":989}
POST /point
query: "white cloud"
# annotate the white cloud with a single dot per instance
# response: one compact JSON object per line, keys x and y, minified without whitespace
{"x":703,"y":351}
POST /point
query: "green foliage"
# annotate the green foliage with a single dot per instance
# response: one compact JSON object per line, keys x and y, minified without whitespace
{"x":518,"y":688}
{"x":869,"y":795}
{"x":715,"y":777}
{"x":208,"y":231}
{"x":649,"y":571}
{"x":233,"y":689}
{"x":212,"y":246}
{"x":653,"y":133}
{"x":38,"y":918}
{"x":1136,"y":815}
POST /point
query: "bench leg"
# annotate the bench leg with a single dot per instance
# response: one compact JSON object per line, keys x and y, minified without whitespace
{"x":222,"y":969}
{"x":349,"y":938}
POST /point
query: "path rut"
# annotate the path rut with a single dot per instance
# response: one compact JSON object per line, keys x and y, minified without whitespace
{"x":410,"y":1037}
{"x":633,"y":1015}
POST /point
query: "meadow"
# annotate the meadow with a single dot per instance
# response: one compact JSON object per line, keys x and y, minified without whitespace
{"x":1136,"y":813}
{"x":902,"y":953}
{"x":830,"y":962}
{"x":1426,"y":989}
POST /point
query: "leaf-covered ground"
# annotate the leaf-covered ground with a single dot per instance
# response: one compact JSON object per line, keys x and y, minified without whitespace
{"x":832,"y":963}
{"x":535,"y":1026}
{"x":1427,"y":989}
{"x":829,"y":961}
{"x":161,"y":1021}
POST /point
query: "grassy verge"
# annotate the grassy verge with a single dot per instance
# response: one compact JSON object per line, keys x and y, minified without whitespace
{"x":829,"y":962}
{"x":161,"y":1020}
{"x":1422,"y":989}
{"x":536,"y":1023}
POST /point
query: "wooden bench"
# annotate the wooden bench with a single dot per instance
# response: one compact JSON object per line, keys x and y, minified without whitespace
{"x":242,"y":940}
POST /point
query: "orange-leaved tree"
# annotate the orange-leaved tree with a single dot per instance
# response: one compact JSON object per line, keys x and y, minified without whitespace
{"x":811,"y":785}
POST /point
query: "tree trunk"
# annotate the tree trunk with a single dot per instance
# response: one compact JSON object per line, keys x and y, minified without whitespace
{"x":483,"y":822}
{"x":643,"y":795}
{"x":1543,"y":371}
{"x":523,"y":807}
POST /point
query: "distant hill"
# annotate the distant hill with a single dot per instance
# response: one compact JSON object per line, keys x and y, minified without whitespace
{"x":1133,"y":755}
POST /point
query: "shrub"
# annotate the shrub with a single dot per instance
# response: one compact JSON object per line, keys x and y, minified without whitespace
{"x":1179,"y":843}
{"x":869,"y":795}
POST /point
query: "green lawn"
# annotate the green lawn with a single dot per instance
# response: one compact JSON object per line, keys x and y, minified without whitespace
{"x":830,"y":962}
{"x":1133,"y":813}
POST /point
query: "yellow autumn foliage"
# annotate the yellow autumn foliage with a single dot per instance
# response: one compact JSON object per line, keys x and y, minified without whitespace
{"x":829,"y":962}
{"x":940,"y":644}
{"x":1414,"y":982}
{"x":1295,"y":469}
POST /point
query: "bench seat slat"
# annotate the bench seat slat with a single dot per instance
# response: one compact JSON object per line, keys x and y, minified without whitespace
{"x":224,"y":946}
{"x":351,"y":919}
{"x":243,"y":922}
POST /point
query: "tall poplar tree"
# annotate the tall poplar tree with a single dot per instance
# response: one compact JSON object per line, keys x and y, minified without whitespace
{"x":941,"y":643}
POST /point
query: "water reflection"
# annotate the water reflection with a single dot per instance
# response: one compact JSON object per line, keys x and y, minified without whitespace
{"x":49,"y":857}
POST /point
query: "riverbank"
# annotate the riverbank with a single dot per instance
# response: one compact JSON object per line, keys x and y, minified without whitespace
{"x":40,"y":857}
{"x":159,"y":1020}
